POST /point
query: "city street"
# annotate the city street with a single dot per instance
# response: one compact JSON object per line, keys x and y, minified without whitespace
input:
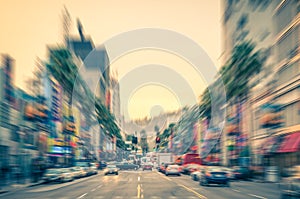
{"x":144,"y":184}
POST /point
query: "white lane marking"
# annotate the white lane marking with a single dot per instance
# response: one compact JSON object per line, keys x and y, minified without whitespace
{"x":139,"y":178}
{"x":236,"y":190}
{"x":93,"y":190}
{"x":82,"y":195}
{"x":99,"y":186}
{"x":256,"y":196}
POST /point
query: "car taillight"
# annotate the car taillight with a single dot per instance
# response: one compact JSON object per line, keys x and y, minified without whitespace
{"x":208,"y":174}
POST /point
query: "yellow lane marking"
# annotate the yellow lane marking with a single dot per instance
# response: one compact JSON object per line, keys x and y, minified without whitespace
{"x":191,"y":190}
{"x":139,"y":191}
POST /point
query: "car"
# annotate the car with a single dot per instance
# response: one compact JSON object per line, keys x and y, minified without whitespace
{"x":147,"y":166}
{"x":214,"y":175}
{"x":241,"y":173}
{"x":111,"y":169}
{"x":77,"y":172}
{"x":127,"y":166}
{"x":94,"y":168}
{"x":102,"y":165}
{"x":163,"y":167}
{"x":230,"y":172}
{"x":190,"y":168}
{"x":66,"y":175}
{"x":290,"y":184}
{"x":51,"y":175}
{"x":172,"y":169}
{"x":195,"y":175}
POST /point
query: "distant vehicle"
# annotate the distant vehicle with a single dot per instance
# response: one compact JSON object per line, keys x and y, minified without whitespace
{"x":127,"y":166}
{"x":111,"y":169}
{"x":164,"y":158}
{"x":147,"y":166}
{"x":188,"y":159}
{"x":290,"y":184}
{"x":172,"y":169}
{"x":214,"y":175}
{"x":164,"y":166}
{"x":52,"y":175}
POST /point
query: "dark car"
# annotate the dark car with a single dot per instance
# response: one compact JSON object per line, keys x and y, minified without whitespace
{"x":214,"y":175}
{"x":111,"y":169}
{"x":102,"y":165}
{"x":241,"y":173}
{"x":127,"y":166}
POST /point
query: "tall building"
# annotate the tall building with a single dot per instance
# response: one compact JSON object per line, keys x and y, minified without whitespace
{"x":116,"y":103}
{"x":271,"y":116}
{"x":96,"y":73}
{"x":242,"y":22}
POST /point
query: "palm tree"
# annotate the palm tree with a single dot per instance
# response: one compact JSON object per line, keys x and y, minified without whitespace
{"x":243,"y":64}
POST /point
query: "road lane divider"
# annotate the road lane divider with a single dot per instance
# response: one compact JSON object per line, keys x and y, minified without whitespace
{"x":82,"y":196}
{"x":139,"y":191}
{"x":194,"y":192}
{"x":256,"y":196}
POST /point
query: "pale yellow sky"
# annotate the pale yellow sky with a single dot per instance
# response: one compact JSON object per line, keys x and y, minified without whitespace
{"x":28,"y":26}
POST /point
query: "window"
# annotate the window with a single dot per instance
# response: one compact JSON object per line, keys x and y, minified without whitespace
{"x":291,"y":116}
{"x":285,"y":15}
{"x":288,"y":73}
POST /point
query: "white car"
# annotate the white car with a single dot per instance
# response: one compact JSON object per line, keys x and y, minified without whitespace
{"x":66,"y":175}
{"x":94,"y":168}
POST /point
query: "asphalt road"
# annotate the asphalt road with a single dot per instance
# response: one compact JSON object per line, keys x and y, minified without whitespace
{"x":144,"y":184}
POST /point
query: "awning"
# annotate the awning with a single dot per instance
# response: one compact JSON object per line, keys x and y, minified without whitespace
{"x":291,"y":143}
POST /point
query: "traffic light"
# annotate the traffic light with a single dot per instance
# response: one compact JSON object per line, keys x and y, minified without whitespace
{"x":157,"y":140}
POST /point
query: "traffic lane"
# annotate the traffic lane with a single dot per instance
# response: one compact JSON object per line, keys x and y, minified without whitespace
{"x":264,"y":190}
{"x":58,"y":190}
{"x":210,"y":192}
{"x":125,"y":185}
{"x":252,"y":189}
{"x":155,"y":186}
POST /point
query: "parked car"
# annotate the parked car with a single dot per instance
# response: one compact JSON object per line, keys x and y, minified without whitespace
{"x":76,"y":172}
{"x":111,"y":169}
{"x":102,"y":165}
{"x":241,"y":172}
{"x":52,"y":175}
{"x":66,"y":175}
{"x":94,"y":168}
{"x":230,"y":172}
{"x":214,"y":175}
{"x":172,"y":169}
{"x":290,"y":184}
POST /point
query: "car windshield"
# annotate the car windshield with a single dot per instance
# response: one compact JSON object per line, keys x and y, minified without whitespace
{"x":111,"y":166}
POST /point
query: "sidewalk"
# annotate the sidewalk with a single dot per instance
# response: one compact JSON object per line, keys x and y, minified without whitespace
{"x":15,"y":186}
